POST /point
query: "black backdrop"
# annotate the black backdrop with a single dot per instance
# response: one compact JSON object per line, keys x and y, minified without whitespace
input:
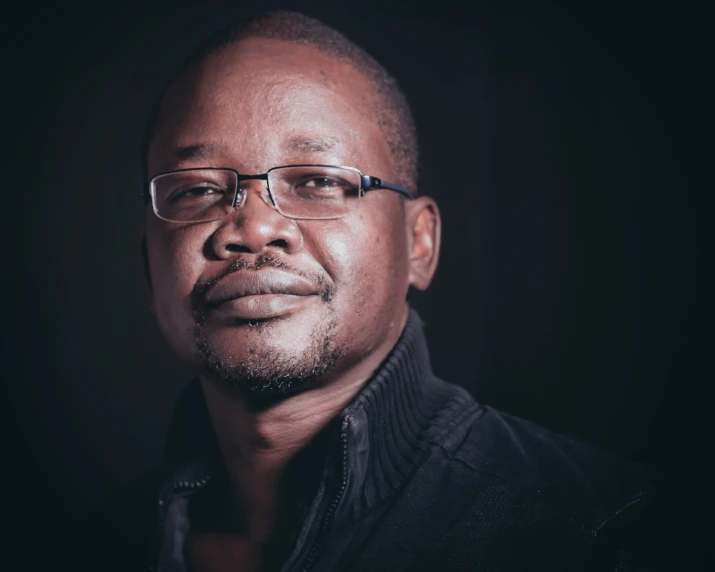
{"x":569,"y":147}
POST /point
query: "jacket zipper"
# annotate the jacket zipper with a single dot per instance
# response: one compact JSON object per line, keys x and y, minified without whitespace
{"x":174,"y":489}
{"x":325,"y":526}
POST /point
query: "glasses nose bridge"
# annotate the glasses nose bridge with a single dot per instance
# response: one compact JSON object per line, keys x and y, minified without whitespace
{"x":241,"y":192}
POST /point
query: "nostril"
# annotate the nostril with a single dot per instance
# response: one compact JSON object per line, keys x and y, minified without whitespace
{"x":237,"y":248}
{"x":279,"y":242}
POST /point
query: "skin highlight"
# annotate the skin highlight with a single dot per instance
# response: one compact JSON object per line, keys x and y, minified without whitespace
{"x":245,"y":106}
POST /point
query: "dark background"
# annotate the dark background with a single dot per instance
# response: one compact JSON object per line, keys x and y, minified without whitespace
{"x":569,"y":145}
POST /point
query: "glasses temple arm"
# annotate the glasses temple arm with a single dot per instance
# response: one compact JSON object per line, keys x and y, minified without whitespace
{"x":369,"y":183}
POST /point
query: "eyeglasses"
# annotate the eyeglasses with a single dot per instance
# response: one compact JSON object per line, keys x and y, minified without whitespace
{"x":295,"y":191}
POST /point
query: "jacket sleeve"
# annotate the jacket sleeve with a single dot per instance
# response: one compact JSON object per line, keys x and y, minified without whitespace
{"x":655,"y":533}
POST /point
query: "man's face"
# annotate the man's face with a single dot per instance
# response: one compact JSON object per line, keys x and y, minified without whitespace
{"x":252,"y":106}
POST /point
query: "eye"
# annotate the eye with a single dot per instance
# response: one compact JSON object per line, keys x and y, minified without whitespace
{"x":198,"y":192}
{"x":314,"y":183}
{"x":323,"y":183}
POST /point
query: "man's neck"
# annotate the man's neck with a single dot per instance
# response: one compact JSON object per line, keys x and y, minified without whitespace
{"x":257,"y":446}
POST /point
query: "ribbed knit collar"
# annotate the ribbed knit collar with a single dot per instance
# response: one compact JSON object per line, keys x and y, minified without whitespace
{"x":383,"y":427}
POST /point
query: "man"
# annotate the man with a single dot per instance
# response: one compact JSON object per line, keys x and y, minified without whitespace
{"x":283,"y":232}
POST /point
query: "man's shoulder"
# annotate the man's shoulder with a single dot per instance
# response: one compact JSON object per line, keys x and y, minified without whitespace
{"x":534,"y":464}
{"x":132,"y":501}
{"x":507,"y":493}
{"x":118,"y":531}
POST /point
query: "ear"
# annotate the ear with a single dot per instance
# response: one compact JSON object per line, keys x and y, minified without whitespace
{"x":147,"y":275}
{"x":425,"y":229}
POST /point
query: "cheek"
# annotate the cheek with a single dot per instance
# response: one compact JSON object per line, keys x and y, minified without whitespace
{"x":174,"y":266}
{"x":365,"y":257}
{"x":334,"y":251}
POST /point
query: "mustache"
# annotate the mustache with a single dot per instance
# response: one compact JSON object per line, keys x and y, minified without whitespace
{"x":198,"y":294}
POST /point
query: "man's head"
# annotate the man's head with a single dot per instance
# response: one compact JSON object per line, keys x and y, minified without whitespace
{"x":268,"y":303}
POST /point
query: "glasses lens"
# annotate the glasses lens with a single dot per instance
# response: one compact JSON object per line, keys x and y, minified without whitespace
{"x":314,"y":191}
{"x":194,"y":195}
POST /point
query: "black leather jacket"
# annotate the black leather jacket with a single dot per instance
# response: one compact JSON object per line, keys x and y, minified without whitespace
{"x":420,"y":477}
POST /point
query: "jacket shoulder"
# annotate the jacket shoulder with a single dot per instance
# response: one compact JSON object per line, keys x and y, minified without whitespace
{"x":118,"y":532}
{"x":510,"y":492}
{"x":538,"y":464}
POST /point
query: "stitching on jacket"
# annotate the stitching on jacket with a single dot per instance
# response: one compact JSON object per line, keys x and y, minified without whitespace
{"x":640,"y":498}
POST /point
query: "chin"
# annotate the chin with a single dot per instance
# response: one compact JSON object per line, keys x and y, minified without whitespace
{"x":268,"y":357}
{"x":241,"y":337}
{"x":252,"y":340}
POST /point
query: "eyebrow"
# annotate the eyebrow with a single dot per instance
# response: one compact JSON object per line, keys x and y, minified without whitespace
{"x":309,"y":145}
{"x":204,"y":151}
{"x":199,"y":151}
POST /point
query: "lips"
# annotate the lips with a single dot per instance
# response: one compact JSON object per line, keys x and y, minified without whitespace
{"x":261,"y":294}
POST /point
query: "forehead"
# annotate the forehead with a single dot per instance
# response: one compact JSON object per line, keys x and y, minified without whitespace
{"x":264,"y":102}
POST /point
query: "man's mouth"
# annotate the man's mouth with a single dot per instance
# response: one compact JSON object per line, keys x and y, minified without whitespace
{"x":261,"y":306}
{"x":259,"y":294}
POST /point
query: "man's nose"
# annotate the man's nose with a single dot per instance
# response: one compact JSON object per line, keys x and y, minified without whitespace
{"x":255,"y":225}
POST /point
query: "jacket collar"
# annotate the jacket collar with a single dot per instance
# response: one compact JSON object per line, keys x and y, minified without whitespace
{"x":382,"y":430}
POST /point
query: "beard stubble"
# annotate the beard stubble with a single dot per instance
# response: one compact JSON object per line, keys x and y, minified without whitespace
{"x":267,"y":373}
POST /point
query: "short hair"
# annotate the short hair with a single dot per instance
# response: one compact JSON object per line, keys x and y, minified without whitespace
{"x":393,"y":114}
